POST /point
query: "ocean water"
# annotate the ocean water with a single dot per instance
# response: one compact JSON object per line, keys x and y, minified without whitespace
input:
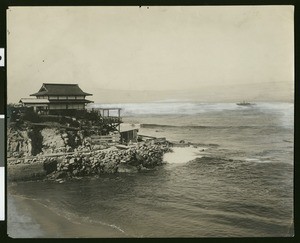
{"x":238,"y":181}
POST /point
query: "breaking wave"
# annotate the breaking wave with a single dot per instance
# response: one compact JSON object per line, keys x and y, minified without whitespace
{"x":190,"y":108}
{"x":194,"y":127}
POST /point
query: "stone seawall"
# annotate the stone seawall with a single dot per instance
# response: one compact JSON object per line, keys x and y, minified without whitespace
{"x":26,"y":172}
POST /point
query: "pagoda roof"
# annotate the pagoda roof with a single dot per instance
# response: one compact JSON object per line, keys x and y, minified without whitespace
{"x":60,"y":89}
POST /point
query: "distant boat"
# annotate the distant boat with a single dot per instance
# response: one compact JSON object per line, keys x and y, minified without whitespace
{"x":244,"y":103}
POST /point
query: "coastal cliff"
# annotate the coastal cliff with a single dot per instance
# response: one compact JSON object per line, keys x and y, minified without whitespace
{"x":30,"y":141}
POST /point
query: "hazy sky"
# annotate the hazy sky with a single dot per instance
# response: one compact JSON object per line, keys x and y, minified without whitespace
{"x":155,"y":48}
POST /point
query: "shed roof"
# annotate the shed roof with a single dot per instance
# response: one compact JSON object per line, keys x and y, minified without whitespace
{"x":60,"y":89}
{"x":123,"y":130}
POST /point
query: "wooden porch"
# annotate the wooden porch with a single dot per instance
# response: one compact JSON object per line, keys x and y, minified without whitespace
{"x":105,"y":113}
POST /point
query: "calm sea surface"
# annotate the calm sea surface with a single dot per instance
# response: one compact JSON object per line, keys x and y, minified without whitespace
{"x":241,"y":185}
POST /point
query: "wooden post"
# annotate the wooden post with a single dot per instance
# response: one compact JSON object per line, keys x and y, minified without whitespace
{"x":119,"y":111}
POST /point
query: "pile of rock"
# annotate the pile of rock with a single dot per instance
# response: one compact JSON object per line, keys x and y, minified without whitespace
{"x":56,"y":141}
{"x":136,"y":158}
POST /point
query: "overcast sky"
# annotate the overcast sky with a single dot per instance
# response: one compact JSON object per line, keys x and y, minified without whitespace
{"x":155,"y":48}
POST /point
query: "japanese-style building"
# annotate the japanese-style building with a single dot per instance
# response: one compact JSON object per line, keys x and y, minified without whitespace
{"x":56,"y":98}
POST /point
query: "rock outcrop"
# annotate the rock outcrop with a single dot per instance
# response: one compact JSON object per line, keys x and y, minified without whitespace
{"x":143,"y":156}
{"x":62,"y":153}
{"x":26,"y":141}
{"x":18,"y":143}
{"x":139,"y":157}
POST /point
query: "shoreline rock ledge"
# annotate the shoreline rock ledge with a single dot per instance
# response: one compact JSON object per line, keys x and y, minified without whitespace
{"x":142,"y":156}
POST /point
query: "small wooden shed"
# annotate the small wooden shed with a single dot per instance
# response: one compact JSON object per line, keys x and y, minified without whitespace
{"x":129,"y":135}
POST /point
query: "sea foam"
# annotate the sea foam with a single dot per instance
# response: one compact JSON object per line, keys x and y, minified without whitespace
{"x":182,"y":155}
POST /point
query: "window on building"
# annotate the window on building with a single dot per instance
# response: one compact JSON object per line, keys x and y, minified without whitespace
{"x":80,"y":97}
{"x":53,"y":97}
{"x":71,"y":97}
{"x":62,"y":97}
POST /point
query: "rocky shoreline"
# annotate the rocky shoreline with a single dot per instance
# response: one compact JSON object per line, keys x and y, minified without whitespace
{"x":50,"y":150}
{"x":142,"y":156}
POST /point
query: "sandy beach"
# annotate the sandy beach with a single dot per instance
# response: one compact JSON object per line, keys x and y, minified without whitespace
{"x":28,"y":218}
